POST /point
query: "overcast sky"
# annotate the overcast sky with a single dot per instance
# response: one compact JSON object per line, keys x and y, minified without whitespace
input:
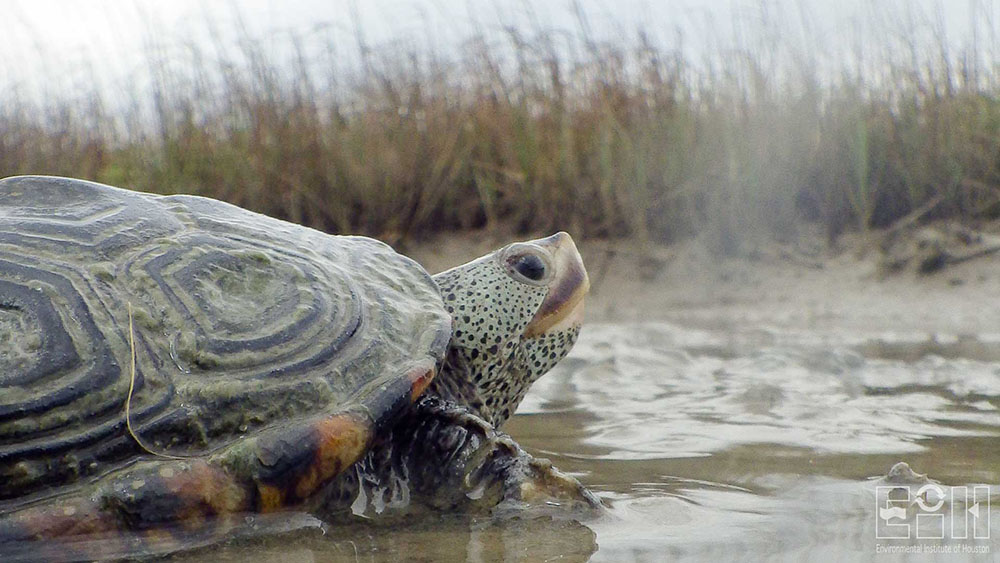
{"x":107,"y":36}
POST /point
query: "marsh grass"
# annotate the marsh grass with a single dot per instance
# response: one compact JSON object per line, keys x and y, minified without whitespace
{"x":534,"y":131}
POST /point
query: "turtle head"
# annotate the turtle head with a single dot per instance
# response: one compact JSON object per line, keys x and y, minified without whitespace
{"x":517,"y":312}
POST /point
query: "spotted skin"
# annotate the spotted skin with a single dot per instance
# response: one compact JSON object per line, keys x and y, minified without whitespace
{"x":506,"y":332}
{"x":489,"y":314}
{"x":539,"y":355}
{"x":449,"y":453}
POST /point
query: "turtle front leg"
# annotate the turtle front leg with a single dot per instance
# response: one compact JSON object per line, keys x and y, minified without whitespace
{"x":444,"y":457}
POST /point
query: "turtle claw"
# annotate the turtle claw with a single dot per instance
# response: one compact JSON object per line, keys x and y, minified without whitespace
{"x":545,"y":485}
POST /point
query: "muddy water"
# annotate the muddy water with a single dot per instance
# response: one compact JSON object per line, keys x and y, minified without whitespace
{"x":732,"y":444}
{"x":728,"y":443}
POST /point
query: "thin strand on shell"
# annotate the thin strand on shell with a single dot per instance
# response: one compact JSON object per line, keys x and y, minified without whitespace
{"x":131,"y":390}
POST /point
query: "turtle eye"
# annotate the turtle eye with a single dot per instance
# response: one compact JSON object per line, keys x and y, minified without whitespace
{"x":528,"y":264}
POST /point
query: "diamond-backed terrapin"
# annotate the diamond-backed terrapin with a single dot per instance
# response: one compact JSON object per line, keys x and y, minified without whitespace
{"x":265,"y":367}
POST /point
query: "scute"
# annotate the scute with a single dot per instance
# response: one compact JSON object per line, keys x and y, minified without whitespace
{"x":242,"y":323}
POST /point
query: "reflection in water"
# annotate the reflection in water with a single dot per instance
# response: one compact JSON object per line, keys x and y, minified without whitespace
{"x":722,"y":445}
{"x":446,"y":540}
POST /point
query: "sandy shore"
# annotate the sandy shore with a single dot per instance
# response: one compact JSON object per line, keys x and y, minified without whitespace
{"x":870,"y":284}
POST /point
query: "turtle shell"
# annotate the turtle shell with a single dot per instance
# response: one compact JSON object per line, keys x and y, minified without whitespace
{"x":241,"y":323}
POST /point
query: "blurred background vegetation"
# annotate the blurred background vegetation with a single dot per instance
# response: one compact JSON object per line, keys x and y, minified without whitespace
{"x":532,"y":131}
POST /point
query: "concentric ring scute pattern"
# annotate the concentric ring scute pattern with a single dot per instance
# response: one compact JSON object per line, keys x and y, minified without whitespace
{"x":241,"y":322}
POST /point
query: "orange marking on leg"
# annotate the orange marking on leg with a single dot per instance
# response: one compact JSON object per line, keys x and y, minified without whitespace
{"x":341,"y":440}
{"x":420,"y":378}
{"x":206,"y":489}
{"x":73,"y":516}
{"x":271,"y":498}
{"x":130,"y":510}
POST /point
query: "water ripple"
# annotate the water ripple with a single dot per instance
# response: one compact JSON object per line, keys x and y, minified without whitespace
{"x":655,"y":390}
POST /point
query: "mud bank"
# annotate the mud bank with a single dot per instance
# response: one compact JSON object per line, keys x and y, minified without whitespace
{"x":870,"y":283}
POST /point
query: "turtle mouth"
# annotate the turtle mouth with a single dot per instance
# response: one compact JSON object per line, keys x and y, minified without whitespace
{"x":563,"y":306}
{"x":568,"y":318}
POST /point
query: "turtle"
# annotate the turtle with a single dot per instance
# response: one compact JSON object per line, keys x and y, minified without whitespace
{"x":171,"y":365}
